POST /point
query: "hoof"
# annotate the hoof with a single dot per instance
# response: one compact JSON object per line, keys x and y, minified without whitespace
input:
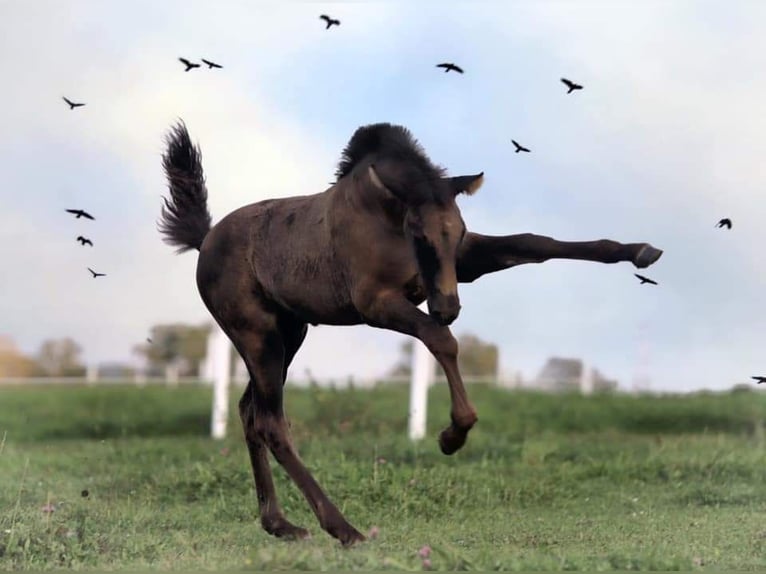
{"x":646,"y":256}
{"x":350,"y":537}
{"x":451,"y":439}
{"x":282,"y":528}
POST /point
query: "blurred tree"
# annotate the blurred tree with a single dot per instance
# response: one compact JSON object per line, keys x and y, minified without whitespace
{"x":184,"y":346}
{"x":60,"y":358}
{"x":13,"y":363}
{"x":475,"y":359}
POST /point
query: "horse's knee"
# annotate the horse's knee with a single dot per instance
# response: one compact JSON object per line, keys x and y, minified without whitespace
{"x":441,"y":343}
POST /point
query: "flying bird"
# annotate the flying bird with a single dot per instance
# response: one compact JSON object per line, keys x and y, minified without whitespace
{"x":759,"y":380}
{"x":519,"y":147}
{"x":148,"y":340}
{"x":84,"y":240}
{"x":450,"y":66}
{"x":189,"y":65}
{"x":96,"y":274}
{"x":211,"y":65}
{"x":725,"y":222}
{"x":80,"y":213}
{"x":645,"y":279}
{"x":571,"y":85}
{"x":330,"y":21}
{"x":72,"y":105}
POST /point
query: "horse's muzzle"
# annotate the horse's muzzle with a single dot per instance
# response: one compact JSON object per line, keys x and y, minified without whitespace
{"x":444,"y":309}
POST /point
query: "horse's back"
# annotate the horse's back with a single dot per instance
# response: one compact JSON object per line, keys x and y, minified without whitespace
{"x":280,"y":249}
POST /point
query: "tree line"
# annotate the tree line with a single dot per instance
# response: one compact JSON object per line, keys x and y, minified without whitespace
{"x":183,"y":347}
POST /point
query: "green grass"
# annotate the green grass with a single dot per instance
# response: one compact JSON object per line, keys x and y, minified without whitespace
{"x":544,"y":483}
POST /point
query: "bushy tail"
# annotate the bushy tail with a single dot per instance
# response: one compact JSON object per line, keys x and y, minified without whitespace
{"x":185,"y":220}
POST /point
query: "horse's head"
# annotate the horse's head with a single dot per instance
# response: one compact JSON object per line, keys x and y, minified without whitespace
{"x":433,"y":224}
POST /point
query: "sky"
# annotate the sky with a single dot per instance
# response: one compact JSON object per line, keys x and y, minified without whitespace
{"x":666,"y":138}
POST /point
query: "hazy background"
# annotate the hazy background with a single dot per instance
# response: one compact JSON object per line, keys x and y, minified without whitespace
{"x":666,"y":138}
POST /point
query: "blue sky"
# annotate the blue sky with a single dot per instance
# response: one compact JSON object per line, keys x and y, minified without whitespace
{"x":665,"y":139}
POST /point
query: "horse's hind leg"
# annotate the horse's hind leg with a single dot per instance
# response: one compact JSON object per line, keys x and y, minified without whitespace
{"x":271,"y":515}
{"x":272,"y":518}
{"x":265,"y":348}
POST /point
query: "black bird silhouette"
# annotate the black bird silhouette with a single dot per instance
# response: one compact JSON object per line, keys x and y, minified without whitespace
{"x":148,"y":340}
{"x":571,"y":85}
{"x":450,"y":66}
{"x":96,"y":274}
{"x":725,"y":222}
{"x":84,"y":240}
{"x":645,"y":279}
{"x":189,"y":65}
{"x":72,"y":105}
{"x":80,"y":213}
{"x":211,"y":65}
{"x":759,"y":380}
{"x":519,"y":147}
{"x":330,"y":21}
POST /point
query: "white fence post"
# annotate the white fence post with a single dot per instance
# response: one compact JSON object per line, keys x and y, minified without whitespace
{"x":587,"y":380}
{"x":171,"y":373}
{"x":91,"y":374}
{"x":423,"y":365}
{"x":220,"y":361}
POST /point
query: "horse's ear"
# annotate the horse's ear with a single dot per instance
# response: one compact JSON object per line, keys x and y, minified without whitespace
{"x":468,"y":184}
{"x":381,"y":181}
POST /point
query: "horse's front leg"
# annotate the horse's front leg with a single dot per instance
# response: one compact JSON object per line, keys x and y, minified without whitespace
{"x":482,"y":254}
{"x":392,"y":311}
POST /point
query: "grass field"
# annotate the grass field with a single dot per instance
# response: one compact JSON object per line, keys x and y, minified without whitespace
{"x":544,"y":482}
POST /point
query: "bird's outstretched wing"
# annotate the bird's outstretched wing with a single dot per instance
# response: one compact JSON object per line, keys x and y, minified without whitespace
{"x":450,"y":66}
{"x":571,"y":85}
{"x":645,"y":279}
{"x":189,"y":65}
{"x":72,"y":105}
{"x":330,"y":21}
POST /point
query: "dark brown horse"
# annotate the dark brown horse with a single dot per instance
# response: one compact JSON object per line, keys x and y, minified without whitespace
{"x":385,"y":237}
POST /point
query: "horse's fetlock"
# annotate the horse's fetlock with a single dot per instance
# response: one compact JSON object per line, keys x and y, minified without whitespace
{"x":465,"y":420}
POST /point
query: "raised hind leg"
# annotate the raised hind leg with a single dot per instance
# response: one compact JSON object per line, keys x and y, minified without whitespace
{"x":272,"y":517}
{"x":482,"y":254}
{"x":392,"y":311}
{"x":263,"y":342}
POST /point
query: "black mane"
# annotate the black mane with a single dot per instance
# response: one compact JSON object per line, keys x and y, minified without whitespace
{"x":390,"y":141}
